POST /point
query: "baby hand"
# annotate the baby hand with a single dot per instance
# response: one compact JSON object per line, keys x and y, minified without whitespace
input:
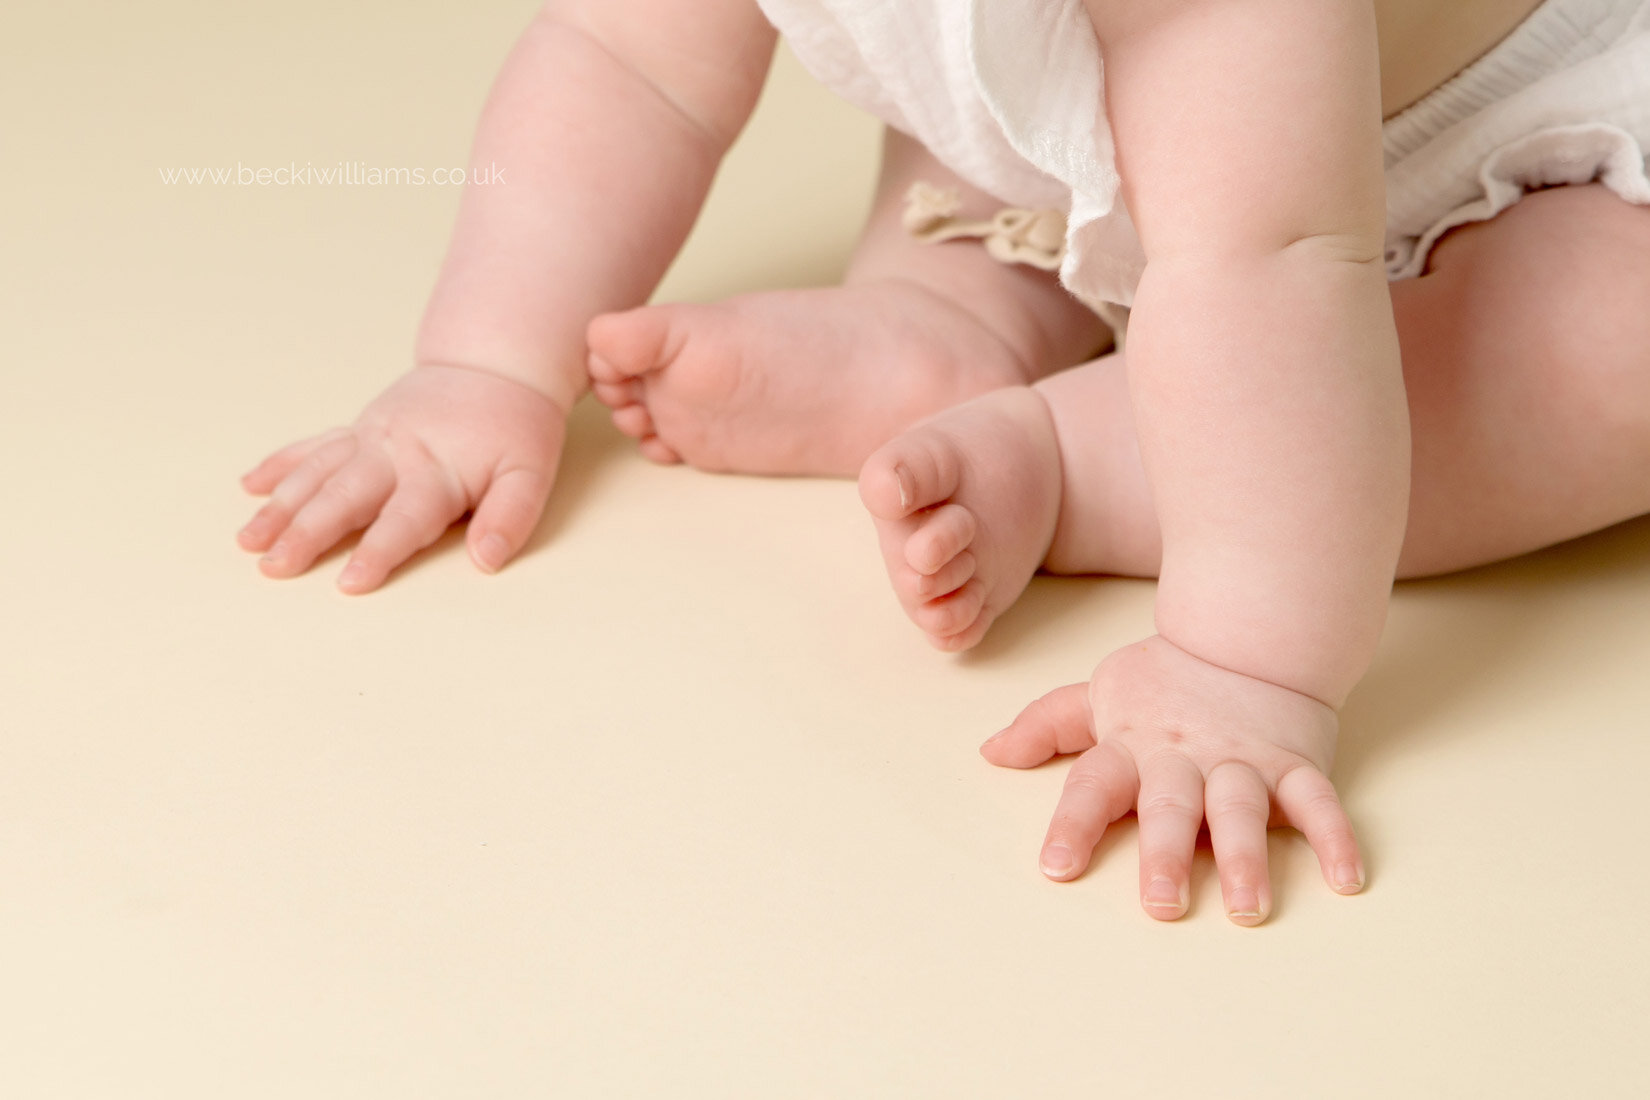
{"x":1180,"y":739}
{"x":439,"y":442}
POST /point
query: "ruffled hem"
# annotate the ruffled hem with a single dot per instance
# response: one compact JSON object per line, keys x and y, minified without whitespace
{"x":1556,"y":157}
{"x":1038,"y":70}
{"x":1562,"y":100}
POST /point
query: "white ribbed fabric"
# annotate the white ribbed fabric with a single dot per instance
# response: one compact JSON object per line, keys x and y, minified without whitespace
{"x":1563,"y":99}
{"x":1009,"y":96}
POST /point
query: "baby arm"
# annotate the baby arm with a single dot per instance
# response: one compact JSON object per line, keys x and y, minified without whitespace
{"x":608,"y":121}
{"x":1263,"y":367}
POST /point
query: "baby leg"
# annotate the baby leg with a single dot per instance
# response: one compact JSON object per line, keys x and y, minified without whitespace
{"x":1527,"y":362}
{"x":811,"y":381}
{"x":1526,"y":354}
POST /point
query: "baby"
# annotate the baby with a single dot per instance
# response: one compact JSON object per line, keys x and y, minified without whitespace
{"x":1231,"y":194}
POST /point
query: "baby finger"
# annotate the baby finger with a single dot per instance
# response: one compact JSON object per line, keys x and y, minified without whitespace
{"x":415,"y":515}
{"x":294,"y":490}
{"x":1100,"y":789}
{"x":1171,"y":811}
{"x":1059,"y":722}
{"x":507,"y":514}
{"x":1309,"y":802}
{"x":343,"y":503}
{"x":271,"y":471}
{"x":1237,"y":804}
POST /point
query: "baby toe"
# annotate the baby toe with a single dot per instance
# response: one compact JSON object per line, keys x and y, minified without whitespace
{"x":616,"y":395}
{"x":965,"y":639}
{"x":943,"y":535}
{"x":656,"y":450}
{"x":952,"y":616}
{"x":947,"y":579}
{"x":634,"y":421}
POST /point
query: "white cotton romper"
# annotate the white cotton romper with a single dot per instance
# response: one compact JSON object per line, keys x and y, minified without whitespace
{"x":1007,"y":95}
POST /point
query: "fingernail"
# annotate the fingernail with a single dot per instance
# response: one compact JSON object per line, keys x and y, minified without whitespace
{"x":353,"y":575}
{"x":1347,"y":879}
{"x":1163,"y":894}
{"x":998,"y":736}
{"x":1244,"y":904}
{"x":277,"y":554}
{"x":492,"y":551}
{"x":1057,"y":861}
{"x":906,"y":491}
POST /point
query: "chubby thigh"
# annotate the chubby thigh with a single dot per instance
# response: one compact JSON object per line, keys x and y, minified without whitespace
{"x":1526,"y":351}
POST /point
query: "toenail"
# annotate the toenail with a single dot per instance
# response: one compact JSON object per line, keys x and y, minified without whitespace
{"x":906,"y":493}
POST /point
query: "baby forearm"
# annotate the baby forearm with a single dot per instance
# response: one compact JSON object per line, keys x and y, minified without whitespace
{"x":1275,"y":434}
{"x":603,"y":176}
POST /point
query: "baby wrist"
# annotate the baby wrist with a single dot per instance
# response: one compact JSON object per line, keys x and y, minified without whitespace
{"x":554,"y":386}
{"x":1324,"y":677}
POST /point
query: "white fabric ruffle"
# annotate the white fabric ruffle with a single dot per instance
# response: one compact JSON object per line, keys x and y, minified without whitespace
{"x":1563,"y":99}
{"x":1009,"y":96}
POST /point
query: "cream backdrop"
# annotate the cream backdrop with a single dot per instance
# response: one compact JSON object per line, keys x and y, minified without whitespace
{"x":677,"y":805}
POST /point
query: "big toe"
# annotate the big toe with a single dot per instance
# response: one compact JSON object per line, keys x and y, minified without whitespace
{"x":916,"y":470}
{"x":626,"y":345}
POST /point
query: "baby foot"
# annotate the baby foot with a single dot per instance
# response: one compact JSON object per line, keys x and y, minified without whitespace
{"x":795,"y":381}
{"x":966,"y":505}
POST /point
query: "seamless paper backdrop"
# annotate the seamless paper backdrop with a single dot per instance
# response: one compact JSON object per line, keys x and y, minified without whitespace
{"x":678,"y":804}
